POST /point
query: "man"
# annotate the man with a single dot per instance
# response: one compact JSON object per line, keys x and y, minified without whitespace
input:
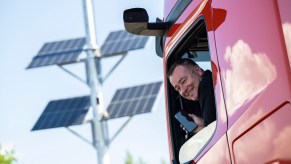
{"x":193,"y":83}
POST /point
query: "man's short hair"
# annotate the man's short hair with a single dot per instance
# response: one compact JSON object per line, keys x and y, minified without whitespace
{"x":183,"y":62}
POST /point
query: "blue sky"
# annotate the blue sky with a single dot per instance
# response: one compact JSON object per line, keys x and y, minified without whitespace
{"x":25,"y":27}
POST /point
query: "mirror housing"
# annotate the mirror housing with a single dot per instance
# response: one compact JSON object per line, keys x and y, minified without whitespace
{"x":136,"y":22}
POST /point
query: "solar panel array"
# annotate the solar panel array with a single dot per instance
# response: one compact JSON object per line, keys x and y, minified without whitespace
{"x":60,"y":52}
{"x":68,"y":51}
{"x":63,"y":113}
{"x":133,"y":100}
{"x":120,"y":42}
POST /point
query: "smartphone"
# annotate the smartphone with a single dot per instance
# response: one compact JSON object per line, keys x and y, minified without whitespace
{"x":186,"y":121}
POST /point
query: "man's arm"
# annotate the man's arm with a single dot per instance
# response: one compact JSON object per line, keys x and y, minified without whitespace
{"x":199,"y":121}
{"x":207,"y":100}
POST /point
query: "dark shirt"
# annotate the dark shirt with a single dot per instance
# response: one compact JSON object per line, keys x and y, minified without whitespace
{"x":206,"y":98}
{"x":191,"y":107}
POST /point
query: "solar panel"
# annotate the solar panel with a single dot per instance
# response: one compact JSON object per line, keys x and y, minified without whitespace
{"x":60,"y":52}
{"x":133,"y":100}
{"x":63,"y":113}
{"x":120,"y":42}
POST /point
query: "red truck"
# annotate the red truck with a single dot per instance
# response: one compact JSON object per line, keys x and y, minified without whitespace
{"x":247,"y":45}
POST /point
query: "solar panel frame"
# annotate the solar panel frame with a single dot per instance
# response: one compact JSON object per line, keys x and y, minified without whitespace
{"x":120,"y":42}
{"x":133,"y":100}
{"x":59,"y":52}
{"x":63,"y":113}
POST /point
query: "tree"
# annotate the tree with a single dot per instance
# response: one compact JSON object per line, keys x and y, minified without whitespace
{"x":6,"y":156}
{"x":129,"y":160}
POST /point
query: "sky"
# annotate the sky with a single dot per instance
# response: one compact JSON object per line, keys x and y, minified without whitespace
{"x":25,"y":27}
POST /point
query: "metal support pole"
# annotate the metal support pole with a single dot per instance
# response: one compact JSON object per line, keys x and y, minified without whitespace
{"x":78,"y":135}
{"x":121,"y":128}
{"x":114,"y":67}
{"x":72,"y":74}
{"x":99,"y":128}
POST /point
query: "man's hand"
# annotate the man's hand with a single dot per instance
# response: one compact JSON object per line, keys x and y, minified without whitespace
{"x":186,"y":131}
{"x":199,"y":121}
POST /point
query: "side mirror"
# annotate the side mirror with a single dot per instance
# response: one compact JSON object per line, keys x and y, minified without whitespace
{"x":136,"y":22}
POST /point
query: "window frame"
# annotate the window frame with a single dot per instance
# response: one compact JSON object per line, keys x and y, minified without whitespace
{"x":177,"y":52}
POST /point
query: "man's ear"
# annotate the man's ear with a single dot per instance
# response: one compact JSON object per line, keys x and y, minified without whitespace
{"x":198,"y":70}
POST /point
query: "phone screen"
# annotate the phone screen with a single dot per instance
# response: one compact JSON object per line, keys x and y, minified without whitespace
{"x":186,"y":121}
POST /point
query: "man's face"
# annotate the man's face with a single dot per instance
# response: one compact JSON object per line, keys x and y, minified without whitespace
{"x":185,"y":79}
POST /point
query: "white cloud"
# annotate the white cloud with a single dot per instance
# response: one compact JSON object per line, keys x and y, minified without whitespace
{"x":268,"y":140}
{"x":248,"y":75}
{"x":287,"y":36}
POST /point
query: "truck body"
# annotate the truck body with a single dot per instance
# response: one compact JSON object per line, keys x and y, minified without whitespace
{"x":247,"y":46}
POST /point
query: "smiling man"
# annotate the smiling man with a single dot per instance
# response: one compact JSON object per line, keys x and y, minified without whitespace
{"x":193,"y":83}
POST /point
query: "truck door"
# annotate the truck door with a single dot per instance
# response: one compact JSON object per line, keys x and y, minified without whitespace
{"x":193,"y":36}
{"x":255,"y":78}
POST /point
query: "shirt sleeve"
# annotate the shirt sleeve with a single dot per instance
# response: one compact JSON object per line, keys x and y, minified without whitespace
{"x":207,"y":100}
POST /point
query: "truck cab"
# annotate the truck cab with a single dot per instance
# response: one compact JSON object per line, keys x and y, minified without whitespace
{"x":247,"y":47}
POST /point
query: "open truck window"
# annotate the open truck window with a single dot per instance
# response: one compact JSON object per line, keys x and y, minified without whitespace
{"x":193,"y":45}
